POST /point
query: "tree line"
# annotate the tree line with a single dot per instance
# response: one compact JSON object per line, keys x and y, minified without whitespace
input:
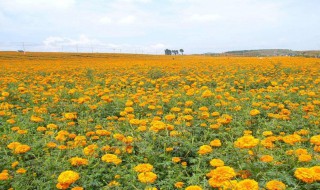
{"x":173,"y":52}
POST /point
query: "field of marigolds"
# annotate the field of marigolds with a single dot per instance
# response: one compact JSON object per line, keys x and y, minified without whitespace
{"x":142,"y":122}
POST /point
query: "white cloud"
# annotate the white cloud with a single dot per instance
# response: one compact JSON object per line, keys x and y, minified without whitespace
{"x":35,"y":5}
{"x":203,"y":17}
{"x":127,"y":20}
{"x":105,"y":20}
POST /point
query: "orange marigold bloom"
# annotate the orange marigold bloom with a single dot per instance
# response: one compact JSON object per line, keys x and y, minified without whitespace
{"x":304,"y":158}
{"x":204,"y":149}
{"x":193,"y":187}
{"x":13,"y":145}
{"x":111,"y":158}
{"x":266,"y":158}
{"x":4,"y":176}
{"x":76,"y":161}
{"x":305,"y":174}
{"x":68,"y":177}
{"x":275,"y":185}
{"x":62,"y":185}
{"x":316,"y":170}
{"x":20,"y":149}
{"x":21,"y":171}
{"x":143,"y":168}
{"x":179,"y":184}
{"x":247,"y":184}
{"x":216,"y":162}
{"x":291,"y":139}
{"x":254,"y":112}
{"x":246,"y":141}
{"x":315,"y":140}
{"x":147,"y":177}
{"x":176,"y":159}
{"x":215,"y":143}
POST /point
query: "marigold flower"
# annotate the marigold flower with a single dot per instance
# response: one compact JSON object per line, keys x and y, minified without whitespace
{"x":275,"y":185}
{"x":13,"y":145}
{"x":315,"y":140}
{"x":305,"y":174}
{"x":68,"y":177}
{"x":20,"y":149}
{"x":193,"y":187}
{"x":246,"y":141}
{"x":21,"y":171}
{"x":216,"y":163}
{"x":111,"y":158}
{"x":247,"y":184}
{"x":179,"y":184}
{"x":205,"y":149}
{"x":304,"y":158}
{"x":254,"y":112}
{"x":266,"y":158}
{"x":316,"y":171}
{"x":147,"y":177}
{"x":4,"y":176}
{"x":215,"y":143}
{"x":76,"y":161}
{"x":143,"y":168}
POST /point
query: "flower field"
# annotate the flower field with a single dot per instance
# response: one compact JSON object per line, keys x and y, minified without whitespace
{"x":113,"y":121}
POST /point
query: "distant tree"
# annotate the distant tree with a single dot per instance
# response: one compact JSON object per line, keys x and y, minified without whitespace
{"x":181,"y":51}
{"x":167,"y":52}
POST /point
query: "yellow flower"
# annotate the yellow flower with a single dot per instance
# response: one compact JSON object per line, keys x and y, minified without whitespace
{"x":215,"y":143}
{"x":76,"y":161}
{"x":20,"y":149}
{"x":291,"y":139}
{"x":21,"y":171}
{"x":68,"y":177}
{"x":204,"y":149}
{"x":254,"y":112}
{"x":266,"y":158}
{"x":52,"y":126}
{"x":220,"y":174}
{"x":176,"y":159}
{"x":70,"y":115}
{"x":4,"y":176}
{"x":193,"y":187}
{"x":275,"y":185}
{"x":5,"y":94}
{"x":111,"y":158}
{"x":246,"y":141}
{"x":315,"y":140}
{"x":207,"y":94}
{"x":179,"y":184}
{"x":305,"y":174}
{"x":304,"y":158}
{"x":316,"y":171}
{"x":13,"y":145}
{"x":147,"y":177}
{"x":247,"y":184}
{"x":143,"y":168}
{"x":36,"y":119}
{"x":216,"y":163}
{"x":14,"y":164}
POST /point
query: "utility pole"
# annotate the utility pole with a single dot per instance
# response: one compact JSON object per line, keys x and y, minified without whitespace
{"x":77,"y":49}
{"x":23,"y":48}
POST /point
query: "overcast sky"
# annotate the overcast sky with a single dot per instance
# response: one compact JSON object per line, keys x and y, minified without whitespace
{"x":197,"y":26}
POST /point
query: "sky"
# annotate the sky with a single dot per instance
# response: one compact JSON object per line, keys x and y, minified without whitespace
{"x":150,"y":26}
